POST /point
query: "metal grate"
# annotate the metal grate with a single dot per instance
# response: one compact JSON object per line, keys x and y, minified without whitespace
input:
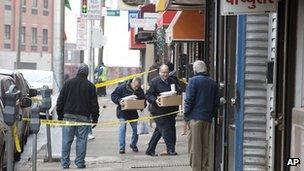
{"x":256,"y":53}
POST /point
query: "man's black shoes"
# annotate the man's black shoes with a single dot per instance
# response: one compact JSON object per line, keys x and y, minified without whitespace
{"x":134,"y":148}
{"x":151,"y":154}
{"x":172,"y":153}
{"x":122,"y":151}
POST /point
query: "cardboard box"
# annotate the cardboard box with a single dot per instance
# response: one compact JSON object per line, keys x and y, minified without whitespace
{"x":134,"y":105}
{"x":171,"y":101}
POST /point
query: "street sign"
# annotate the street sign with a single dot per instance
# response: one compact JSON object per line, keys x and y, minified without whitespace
{"x":81,"y":34}
{"x":240,"y":7}
{"x":145,"y":23}
{"x":98,"y":39}
{"x":93,"y":10}
{"x":113,"y":12}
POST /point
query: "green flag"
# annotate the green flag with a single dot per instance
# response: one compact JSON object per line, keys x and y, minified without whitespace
{"x":67,"y":4}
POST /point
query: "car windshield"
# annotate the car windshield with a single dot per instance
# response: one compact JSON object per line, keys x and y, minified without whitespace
{"x":37,"y":78}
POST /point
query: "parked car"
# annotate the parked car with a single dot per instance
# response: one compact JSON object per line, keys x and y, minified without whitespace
{"x":8,"y":78}
{"x":38,"y":78}
{"x":3,"y":128}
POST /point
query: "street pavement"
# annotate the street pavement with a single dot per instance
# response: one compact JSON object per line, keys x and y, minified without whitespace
{"x":103,"y":152}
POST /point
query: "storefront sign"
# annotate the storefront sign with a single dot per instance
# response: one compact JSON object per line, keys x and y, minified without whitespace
{"x":132,"y":14}
{"x":145,"y":23}
{"x":235,"y":7}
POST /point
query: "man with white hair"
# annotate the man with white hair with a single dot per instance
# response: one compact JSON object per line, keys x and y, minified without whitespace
{"x":201,"y":104}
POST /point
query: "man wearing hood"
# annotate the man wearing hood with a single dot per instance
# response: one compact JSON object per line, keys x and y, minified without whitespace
{"x":77,"y":102}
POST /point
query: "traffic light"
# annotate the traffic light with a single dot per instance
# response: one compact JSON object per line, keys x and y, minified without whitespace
{"x":84,"y":6}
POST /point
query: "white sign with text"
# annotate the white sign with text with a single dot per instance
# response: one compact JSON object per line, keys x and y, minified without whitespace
{"x":81,"y":34}
{"x":236,"y":7}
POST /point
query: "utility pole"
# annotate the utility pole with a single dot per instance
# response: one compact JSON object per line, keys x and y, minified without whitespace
{"x":102,"y":20}
{"x":92,"y":52}
{"x":58,"y":43}
{"x":18,"y":57}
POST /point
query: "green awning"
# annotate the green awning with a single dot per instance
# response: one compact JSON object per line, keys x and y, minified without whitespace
{"x":67,"y":4}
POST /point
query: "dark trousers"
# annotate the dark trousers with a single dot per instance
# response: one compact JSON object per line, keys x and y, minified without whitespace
{"x":102,"y":91}
{"x":165,"y":127}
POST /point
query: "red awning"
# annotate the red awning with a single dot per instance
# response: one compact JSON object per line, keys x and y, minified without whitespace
{"x":132,"y":43}
{"x":165,"y":18}
{"x":186,"y":26}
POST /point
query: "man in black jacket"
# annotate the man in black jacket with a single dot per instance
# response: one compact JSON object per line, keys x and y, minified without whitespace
{"x":132,"y":87}
{"x":77,"y":102}
{"x":165,"y":126}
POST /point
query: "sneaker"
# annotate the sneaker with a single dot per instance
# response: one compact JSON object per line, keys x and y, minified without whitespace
{"x":134,"y":148}
{"x":65,"y":167}
{"x":122,"y":151}
{"x":82,"y":166}
{"x":91,"y":137}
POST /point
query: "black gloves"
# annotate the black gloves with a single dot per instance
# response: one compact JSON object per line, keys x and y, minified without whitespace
{"x":60,"y":118}
{"x":94,"y":122}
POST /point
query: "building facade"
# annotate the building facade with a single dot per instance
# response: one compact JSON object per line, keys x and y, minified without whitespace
{"x":36,"y":33}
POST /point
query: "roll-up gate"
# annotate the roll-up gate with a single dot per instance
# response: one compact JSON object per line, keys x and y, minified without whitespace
{"x":255,"y":96}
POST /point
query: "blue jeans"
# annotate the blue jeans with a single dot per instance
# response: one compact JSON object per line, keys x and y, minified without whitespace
{"x":68,"y":133}
{"x":122,"y":134}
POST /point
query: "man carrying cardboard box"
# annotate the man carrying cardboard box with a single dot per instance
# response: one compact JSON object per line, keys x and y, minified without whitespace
{"x":165,"y":126}
{"x":132,"y":87}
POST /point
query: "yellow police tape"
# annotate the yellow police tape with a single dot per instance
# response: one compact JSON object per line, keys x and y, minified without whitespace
{"x":102,"y":123}
{"x":118,"y":80}
{"x":16,"y":138}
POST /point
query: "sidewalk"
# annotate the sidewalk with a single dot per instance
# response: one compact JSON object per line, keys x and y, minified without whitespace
{"x":103,"y":151}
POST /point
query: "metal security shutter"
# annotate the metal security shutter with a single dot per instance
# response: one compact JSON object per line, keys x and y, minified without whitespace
{"x":255,"y":99}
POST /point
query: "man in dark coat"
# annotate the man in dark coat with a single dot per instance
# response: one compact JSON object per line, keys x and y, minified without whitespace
{"x":165,"y":126}
{"x":77,"y":102}
{"x":201,"y":104}
{"x":132,"y":87}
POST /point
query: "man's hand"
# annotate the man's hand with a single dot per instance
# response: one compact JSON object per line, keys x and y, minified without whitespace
{"x":60,"y":118}
{"x":158,"y":101}
{"x":122,"y":103}
{"x":94,"y":124}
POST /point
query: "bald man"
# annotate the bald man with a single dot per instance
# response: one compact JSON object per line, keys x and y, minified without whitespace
{"x":165,"y":126}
